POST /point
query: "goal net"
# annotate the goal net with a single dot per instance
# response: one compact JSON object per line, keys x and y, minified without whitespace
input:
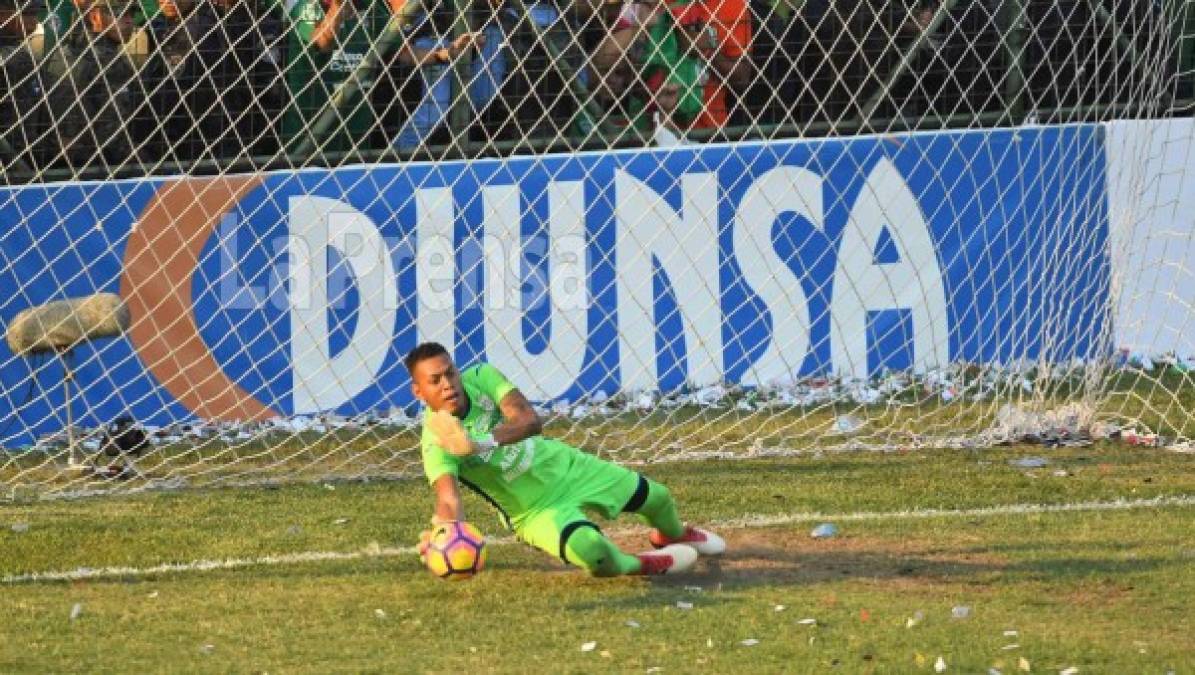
{"x":714,"y":228}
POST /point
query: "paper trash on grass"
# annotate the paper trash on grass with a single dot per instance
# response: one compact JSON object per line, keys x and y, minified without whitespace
{"x":960,"y":612}
{"x":824,"y":531}
{"x":588,"y":646}
{"x":76,"y":610}
{"x":20,"y":527}
{"x":940,"y":665}
{"x":631,"y":623}
{"x":681,"y":604}
{"x":749,"y":642}
{"x":847,"y":424}
{"x":917,"y":618}
{"x":1023,"y":665}
{"x":808,"y":622}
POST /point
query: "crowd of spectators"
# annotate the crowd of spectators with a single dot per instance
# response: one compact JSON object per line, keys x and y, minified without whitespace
{"x":147,"y":85}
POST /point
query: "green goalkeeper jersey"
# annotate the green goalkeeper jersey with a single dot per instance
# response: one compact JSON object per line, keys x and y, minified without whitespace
{"x":514,"y":478}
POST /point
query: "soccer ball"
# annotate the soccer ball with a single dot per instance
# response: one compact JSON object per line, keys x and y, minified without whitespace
{"x":456,"y":551}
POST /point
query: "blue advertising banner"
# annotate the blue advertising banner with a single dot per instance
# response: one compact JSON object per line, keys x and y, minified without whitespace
{"x":299,"y":292}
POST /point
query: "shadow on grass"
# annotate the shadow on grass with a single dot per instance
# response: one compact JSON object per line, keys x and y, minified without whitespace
{"x":750,"y":468}
{"x":754,"y":566}
{"x":760,"y":566}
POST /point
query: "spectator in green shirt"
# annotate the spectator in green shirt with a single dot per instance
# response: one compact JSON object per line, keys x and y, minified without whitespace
{"x":328,"y":40}
{"x":647,"y":65}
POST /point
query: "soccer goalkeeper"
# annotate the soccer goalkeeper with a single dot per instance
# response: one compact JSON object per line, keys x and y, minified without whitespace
{"x":480,"y":431}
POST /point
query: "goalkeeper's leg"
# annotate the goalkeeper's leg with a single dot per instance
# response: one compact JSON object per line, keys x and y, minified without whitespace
{"x":586,"y":547}
{"x":654,"y":504}
{"x":565,"y":533}
{"x":611,"y":489}
{"x":589,"y":549}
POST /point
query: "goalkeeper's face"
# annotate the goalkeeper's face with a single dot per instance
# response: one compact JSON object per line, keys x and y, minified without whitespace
{"x":437,"y":383}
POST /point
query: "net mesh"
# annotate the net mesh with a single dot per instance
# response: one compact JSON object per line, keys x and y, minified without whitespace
{"x":945,"y":223}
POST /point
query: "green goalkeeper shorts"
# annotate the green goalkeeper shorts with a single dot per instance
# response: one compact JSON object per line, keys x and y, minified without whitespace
{"x":594,"y":485}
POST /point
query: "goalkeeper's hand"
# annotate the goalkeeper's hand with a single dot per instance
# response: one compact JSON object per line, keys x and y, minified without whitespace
{"x":425,"y":540}
{"x":451,"y":433}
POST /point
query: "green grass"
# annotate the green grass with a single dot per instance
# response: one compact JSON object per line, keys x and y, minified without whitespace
{"x":1105,"y":591}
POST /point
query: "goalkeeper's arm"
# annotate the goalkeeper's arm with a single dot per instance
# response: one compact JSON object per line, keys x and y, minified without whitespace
{"x":448,"y":508}
{"x":520,"y":420}
{"x":448,"y":500}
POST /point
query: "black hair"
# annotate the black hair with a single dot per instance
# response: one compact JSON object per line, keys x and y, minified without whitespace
{"x":421,"y":352}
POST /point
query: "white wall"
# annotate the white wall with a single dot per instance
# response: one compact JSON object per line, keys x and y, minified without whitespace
{"x":1151,"y":209}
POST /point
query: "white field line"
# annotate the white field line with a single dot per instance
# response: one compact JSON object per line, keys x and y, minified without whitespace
{"x":375,"y":551}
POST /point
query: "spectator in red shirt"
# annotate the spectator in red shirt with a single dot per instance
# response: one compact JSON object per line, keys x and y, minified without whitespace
{"x":720,"y":32}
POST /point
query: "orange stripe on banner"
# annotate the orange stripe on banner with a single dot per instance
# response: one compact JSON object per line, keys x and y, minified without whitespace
{"x":160,"y":260}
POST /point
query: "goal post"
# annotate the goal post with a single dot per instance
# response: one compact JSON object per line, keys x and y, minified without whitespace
{"x":705,"y":229}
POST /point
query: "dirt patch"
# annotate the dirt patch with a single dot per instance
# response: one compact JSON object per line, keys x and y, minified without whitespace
{"x":756,"y":556}
{"x":1100,"y":594}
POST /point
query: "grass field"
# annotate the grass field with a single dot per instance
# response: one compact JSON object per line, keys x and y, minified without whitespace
{"x":1103,"y":583}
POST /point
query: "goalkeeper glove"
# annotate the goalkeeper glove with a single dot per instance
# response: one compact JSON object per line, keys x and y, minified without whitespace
{"x":425,"y":540}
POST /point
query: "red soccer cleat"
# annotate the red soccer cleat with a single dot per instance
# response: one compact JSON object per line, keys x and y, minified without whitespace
{"x":668,"y":560}
{"x":702,"y":541}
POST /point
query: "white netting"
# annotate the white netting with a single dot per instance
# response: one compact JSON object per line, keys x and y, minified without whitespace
{"x":713,"y":228}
